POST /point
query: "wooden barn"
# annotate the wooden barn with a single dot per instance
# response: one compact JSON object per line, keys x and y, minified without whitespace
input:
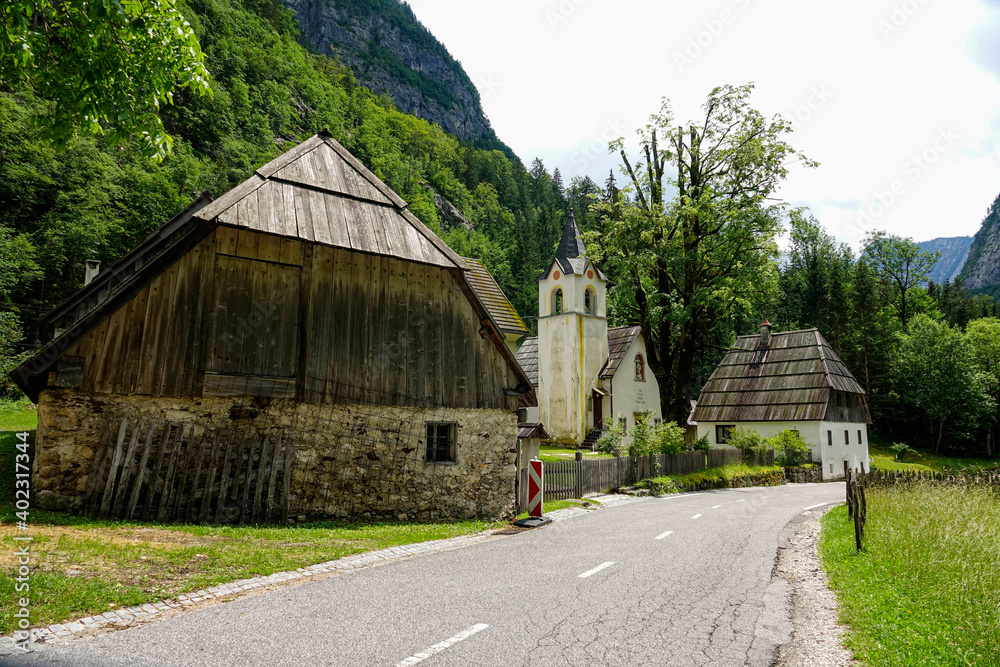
{"x":302,"y":345}
{"x":788,"y":380}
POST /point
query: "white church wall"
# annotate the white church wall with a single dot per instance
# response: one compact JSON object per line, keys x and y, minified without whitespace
{"x":630,"y":396}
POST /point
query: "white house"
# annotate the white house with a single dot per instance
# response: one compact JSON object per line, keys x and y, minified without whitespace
{"x":788,"y":380}
{"x":585,"y":373}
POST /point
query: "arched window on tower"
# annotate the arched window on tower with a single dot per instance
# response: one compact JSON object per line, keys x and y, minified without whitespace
{"x":640,"y":368}
{"x":590,"y":301}
{"x":557,"y":301}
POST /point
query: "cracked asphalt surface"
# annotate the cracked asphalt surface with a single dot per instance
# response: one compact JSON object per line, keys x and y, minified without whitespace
{"x":703,"y":595}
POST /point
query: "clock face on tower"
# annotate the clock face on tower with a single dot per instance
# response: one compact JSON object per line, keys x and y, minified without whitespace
{"x":556,"y":275}
{"x":590,"y":275}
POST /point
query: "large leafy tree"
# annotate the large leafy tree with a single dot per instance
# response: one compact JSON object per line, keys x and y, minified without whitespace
{"x":984,"y":337}
{"x":683,"y":266}
{"x":937,"y":381}
{"x":902,"y":267}
{"x":107,"y":66}
{"x":816,"y":281}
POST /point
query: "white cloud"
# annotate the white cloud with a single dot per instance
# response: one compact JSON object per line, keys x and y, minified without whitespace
{"x":872,"y":85}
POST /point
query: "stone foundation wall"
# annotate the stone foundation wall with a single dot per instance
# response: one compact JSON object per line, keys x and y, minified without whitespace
{"x":356,"y":461}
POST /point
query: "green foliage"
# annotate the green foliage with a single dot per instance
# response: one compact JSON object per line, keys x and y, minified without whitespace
{"x":96,"y":200}
{"x":701,"y":444}
{"x":107,"y":66}
{"x":901,"y":267}
{"x":925,"y":590}
{"x":900,"y":450}
{"x":683,"y":267}
{"x":737,"y":475}
{"x":611,"y":438}
{"x":747,"y":440}
{"x":789,"y":448}
{"x":669,"y":438}
{"x":936,"y":380}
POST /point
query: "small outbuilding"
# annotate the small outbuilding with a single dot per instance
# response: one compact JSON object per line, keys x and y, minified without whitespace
{"x":788,"y":380}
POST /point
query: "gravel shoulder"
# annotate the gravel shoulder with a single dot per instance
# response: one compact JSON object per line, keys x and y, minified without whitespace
{"x":817,"y":634}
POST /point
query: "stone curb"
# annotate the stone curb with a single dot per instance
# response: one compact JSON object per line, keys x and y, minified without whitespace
{"x":62,"y":632}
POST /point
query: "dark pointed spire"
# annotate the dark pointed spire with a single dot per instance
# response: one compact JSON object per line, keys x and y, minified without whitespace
{"x":570,"y":245}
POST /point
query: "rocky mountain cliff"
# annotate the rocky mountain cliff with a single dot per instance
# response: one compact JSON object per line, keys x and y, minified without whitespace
{"x":391,"y":52}
{"x":982,"y":268}
{"x":954,"y":250}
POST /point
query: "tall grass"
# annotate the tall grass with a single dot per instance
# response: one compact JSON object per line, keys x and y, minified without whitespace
{"x":926,"y":588}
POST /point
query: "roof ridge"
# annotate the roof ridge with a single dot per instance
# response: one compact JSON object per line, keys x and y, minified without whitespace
{"x":826,"y":367}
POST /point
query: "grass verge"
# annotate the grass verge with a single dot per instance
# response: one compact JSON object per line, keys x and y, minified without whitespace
{"x":553,"y":453}
{"x":926,"y":588}
{"x":82,"y":567}
{"x":919,"y":460}
{"x":724,"y":477}
{"x":553,"y":505}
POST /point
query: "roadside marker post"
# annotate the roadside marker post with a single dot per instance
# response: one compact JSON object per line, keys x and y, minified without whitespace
{"x":536,"y":493}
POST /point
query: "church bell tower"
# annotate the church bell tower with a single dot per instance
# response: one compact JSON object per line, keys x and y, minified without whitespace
{"x":572,"y":338}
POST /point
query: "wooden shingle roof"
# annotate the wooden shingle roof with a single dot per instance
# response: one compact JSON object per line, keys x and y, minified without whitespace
{"x":494,"y":299}
{"x":319,"y":193}
{"x":788,"y":380}
{"x":527,"y":358}
{"x":620,"y":339}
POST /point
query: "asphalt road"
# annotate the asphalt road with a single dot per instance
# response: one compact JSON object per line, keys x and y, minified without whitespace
{"x":684,"y":580}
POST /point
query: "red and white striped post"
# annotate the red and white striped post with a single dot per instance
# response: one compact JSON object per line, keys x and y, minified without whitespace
{"x":535,"y":491}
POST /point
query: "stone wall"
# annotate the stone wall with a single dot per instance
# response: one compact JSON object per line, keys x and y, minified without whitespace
{"x":350,"y":461}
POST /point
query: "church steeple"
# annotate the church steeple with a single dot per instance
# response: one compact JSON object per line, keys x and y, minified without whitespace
{"x":570,"y":245}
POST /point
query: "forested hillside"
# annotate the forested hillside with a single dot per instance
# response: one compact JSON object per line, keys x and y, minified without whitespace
{"x":982,"y":268}
{"x":391,"y":52}
{"x":954,"y":250}
{"x":96,"y":201}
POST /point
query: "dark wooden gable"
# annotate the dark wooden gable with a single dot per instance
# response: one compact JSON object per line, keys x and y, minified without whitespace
{"x":385,"y":314}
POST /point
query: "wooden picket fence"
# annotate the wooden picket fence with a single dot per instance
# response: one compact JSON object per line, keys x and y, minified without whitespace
{"x":574,"y":479}
{"x":163,"y":471}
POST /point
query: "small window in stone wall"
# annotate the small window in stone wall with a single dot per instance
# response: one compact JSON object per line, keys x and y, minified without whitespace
{"x":860,"y":439}
{"x":722,"y":433}
{"x":847,"y":437}
{"x":829,"y":438}
{"x":441,"y":442}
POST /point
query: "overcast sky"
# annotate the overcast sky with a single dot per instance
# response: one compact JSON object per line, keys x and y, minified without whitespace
{"x":897,"y":99}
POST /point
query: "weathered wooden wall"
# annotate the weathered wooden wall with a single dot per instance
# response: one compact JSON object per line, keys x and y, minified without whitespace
{"x":250,"y":313}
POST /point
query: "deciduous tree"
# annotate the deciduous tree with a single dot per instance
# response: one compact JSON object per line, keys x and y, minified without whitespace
{"x":106,"y":65}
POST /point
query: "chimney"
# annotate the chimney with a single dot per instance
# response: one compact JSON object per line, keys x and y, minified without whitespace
{"x":765,"y":333}
{"x":93,"y":268}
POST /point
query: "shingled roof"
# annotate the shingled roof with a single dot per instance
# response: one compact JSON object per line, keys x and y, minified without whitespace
{"x":494,"y":299}
{"x":527,"y":357}
{"x":316,"y":192}
{"x":620,"y":339}
{"x":571,"y":254}
{"x":790,"y":379}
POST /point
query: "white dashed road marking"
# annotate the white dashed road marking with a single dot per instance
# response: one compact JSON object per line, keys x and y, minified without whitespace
{"x":437,"y":648}
{"x":596,"y":569}
{"x":696,"y":516}
{"x":715,"y":507}
{"x":741,"y":501}
{"x":660,"y":537}
{"x":812,"y":507}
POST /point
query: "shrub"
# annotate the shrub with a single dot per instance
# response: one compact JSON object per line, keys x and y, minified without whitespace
{"x":900,"y":450}
{"x":643,"y":437}
{"x":669,"y":438}
{"x":747,"y":440}
{"x":789,"y":448}
{"x":611,"y":439}
{"x":701,"y":444}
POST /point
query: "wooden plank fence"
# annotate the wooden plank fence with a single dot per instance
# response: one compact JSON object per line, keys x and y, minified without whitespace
{"x":163,"y":471}
{"x":574,"y":479}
